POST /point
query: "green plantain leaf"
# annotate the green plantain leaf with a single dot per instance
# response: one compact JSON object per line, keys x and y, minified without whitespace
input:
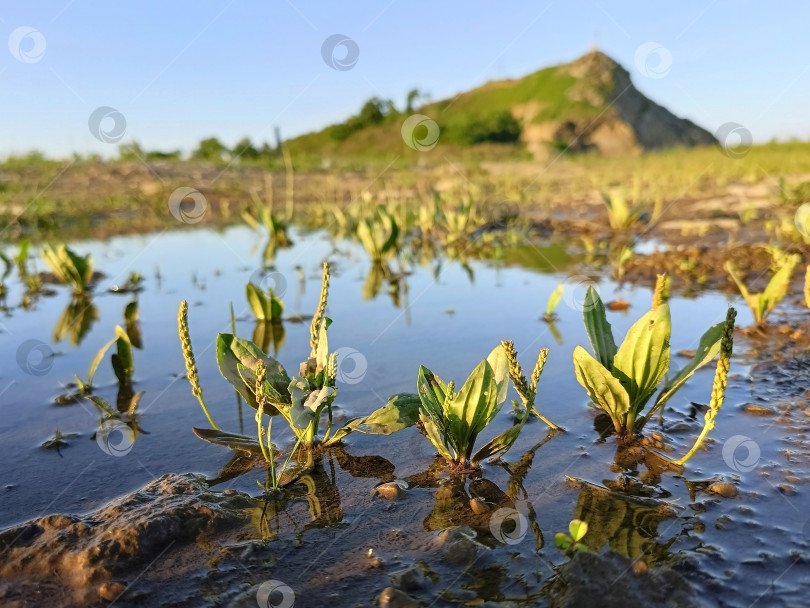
{"x":96,"y":362}
{"x":643,"y":358}
{"x":231,"y":351}
{"x":554,"y":300}
{"x":400,"y":412}
{"x":502,"y":443}
{"x":500,"y":368}
{"x":603,"y":389}
{"x":599,"y":331}
{"x":229,"y":440}
{"x":431,"y":391}
{"x":258,"y":302}
{"x":577,"y":529}
{"x":708,"y":347}
{"x":435,"y":435}
{"x":122,"y":360}
{"x":778,"y":285}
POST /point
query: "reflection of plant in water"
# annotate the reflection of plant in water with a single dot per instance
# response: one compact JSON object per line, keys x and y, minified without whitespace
{"x":627,"y":524}
{"x":127,"y":414}
{"x":76,"y":320}
{"x":310,"y":479}
{"x":266,"y":334}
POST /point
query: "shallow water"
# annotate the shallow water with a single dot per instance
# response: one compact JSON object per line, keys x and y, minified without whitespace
{"x":755,"y":544}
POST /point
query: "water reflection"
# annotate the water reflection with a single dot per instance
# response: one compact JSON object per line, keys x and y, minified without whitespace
{"x":474,"y":501}
{"x":628,"y":525}
{"x":315,"y":480}
{"x":76,"y":320}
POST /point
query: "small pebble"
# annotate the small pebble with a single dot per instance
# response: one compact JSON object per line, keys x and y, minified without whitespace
{"x":393,"y":490}
{"x":723,"y":488}
{"x":786,"y":489}
{"x":756,"y":410}
{"x":618,"y":305}
{"x":639,"y":567}
{"x":394,"y":598}
{"x":409,"y":578}
{"x":375,"y":563}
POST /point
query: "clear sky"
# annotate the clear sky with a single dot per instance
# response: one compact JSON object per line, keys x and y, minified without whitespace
{"x":178,"y":71}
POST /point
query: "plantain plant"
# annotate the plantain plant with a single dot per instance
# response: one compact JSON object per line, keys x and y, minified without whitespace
{"x":453,"y":420}
{"x":301,"y":400}
{"x":622,"y":380}
{"x":69,"y":268}
{"x":379,"y":234}
{"x":265,"y":306}
{"x":122,"y":362}
{"x":621,"y":214}
{"x":553,"y":301}
{"x":763,"y":303}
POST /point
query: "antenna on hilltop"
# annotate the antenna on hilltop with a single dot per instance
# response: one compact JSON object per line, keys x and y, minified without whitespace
{"x":595,"y":42}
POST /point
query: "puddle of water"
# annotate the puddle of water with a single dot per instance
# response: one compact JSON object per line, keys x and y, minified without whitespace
{"x":447,"y":323}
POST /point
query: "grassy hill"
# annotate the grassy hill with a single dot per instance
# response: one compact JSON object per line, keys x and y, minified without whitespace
{"x":588,"y":104}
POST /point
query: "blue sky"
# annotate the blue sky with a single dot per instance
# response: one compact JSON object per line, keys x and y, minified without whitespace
{"x":179,"y":71}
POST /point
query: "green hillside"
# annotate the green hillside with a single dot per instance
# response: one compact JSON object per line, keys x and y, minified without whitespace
{"x":588,"y":104}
